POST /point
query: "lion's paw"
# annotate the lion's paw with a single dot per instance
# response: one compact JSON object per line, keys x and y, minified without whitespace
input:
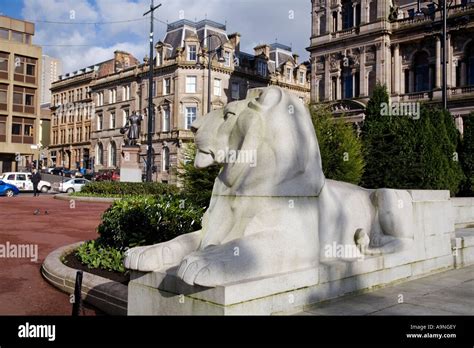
{"x":207,"y":267}
{"x":153,"y":257}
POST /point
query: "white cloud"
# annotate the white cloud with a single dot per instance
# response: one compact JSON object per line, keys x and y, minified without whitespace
{"x":257,"y":20}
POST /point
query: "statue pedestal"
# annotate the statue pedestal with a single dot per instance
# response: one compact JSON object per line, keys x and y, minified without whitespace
{"x":130,"y":170}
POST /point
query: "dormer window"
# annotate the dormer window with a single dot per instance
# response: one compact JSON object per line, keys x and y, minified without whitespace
{"x":158,"y":59}
{"x":192,"y":55}
{"x":227,"y":58}
{"x":302,"y":77}
{"x":288,"y":74}
{"x":262,"y":68}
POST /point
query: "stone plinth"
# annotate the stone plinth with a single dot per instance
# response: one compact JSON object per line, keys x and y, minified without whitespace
{"x":436,"y":248}
{"x":130,"y":170}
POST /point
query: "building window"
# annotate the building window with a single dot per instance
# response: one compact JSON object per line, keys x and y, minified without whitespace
{"x":126,"y":92}
{"x":99,"y":122}
{"x":125,"y":114}
{"x":99,"y":154}
{"x":166,"y":86}
{"x":302,"y":77}
{"x":30,"y":99}
{"x":25,"y":69}
{"x":23,"y":130}
{"x":100,"y":98}
{"x":191,"y":84}
{"x":166,"y":159}
{"x":289,"y":74}
{"x":112,"y":154}
{"x":112,"y":120}
{"x":235,"y":91}
{"x":347,"y":85}
{"x":3,"y":96}
{"x":190,"y":116}
{"x":112,"y":95}
{"x":17,"y":36}
{"x":421,"y":70}
{"x":4,"y":34}
{"x":158,"y":59}
{"x":227,"y":58}
{"x":3,"y":128}
{"x":192,"y":56}
{"x":262,"y":68}
{"x":217,"y":87}
{"x":470,"y":65}
{"x":4,"y":65}
{"x":165,"y":126}
{"x":347,"y":15}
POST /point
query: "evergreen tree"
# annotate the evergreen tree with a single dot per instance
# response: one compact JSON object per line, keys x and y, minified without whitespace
{"x":467,"y":156}
{"x":340,"y":148}
{"x":409,"y":153}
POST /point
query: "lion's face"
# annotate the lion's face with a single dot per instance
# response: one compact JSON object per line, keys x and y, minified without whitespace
{"x":213,"y":133}
{"x":266,"y":144}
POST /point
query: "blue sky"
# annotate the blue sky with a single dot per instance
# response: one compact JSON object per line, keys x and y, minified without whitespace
{"x":80,"y":45}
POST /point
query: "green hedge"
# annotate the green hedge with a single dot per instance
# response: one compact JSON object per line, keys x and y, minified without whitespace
{"x":102,"y":188}
{"x":136,"y":221}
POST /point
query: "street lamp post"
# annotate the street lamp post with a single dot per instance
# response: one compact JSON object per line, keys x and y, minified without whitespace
{"x":211,"y":54}
{"x":444,"y":56}
{"x":149,"y":154}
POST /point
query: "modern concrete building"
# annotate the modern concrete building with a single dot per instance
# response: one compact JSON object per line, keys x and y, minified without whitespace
{"x":181,"y":92}
{"x":72,"y":112}
{"x":20,"y":91}
{"x":51,"y":69}
{"x":354,"y":44}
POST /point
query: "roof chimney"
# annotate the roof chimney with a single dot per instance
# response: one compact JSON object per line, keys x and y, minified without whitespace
{"x":262,"y":49}
{"x":295,"y":58}
{"x":234,"y":39}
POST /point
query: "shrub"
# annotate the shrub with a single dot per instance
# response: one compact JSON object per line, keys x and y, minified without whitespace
{"x":148,"y":220}
{"x":103,"y":188}
{"x":94,"y":255}
{"x":197,"y":183}
{"x":340,"y":148}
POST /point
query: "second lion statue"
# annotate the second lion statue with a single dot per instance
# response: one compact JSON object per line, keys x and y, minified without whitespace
{"x":276,"y":214}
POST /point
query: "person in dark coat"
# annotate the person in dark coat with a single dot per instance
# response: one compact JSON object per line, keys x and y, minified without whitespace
{"x":35,"y":179}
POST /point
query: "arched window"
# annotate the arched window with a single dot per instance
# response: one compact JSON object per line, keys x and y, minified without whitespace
{"x":470,"y":64}
{"x":422,"y":72}
{"x":99,"y":153}
{"x":112,"y":154}
{"x":166,"y":159}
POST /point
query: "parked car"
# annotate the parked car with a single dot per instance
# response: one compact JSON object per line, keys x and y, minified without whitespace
{"x":58,"y":171}
{"x":23,"y":181}
{"x":71,"y":185}
{"x":8,"y":189}
{"x":107,"y":175}
{"x":73,"y":173}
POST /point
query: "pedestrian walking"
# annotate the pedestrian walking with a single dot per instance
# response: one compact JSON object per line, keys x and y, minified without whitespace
{"x":35,"y":179}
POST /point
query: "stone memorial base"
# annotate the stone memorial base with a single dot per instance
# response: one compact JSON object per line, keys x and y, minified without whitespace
{"x":436,"y":247}
{"x":130,"y":170}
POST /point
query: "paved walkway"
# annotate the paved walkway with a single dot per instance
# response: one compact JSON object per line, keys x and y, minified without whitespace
{"x":23,"y":291}
{"x":446,"y":293}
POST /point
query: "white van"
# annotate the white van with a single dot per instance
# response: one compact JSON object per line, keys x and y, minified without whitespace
{"x":23,"y":181}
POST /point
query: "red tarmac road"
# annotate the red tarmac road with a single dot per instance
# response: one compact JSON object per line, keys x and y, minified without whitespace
{"x":23,"y":291}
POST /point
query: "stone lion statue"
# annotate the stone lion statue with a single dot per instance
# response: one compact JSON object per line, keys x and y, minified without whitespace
{"x":279,"y":214}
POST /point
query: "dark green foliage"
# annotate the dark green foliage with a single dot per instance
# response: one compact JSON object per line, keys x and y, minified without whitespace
{"x":467,"y":155}
{"x":103,"y":188}
{"x":408,"y":153}
{"x":137,"y":221}
{"x":197,"y":183}
{"x":340,"y":148}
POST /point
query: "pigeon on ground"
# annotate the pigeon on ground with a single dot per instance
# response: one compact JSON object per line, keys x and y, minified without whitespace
{"x":46,"y":212}
{"x":36,"y":212}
